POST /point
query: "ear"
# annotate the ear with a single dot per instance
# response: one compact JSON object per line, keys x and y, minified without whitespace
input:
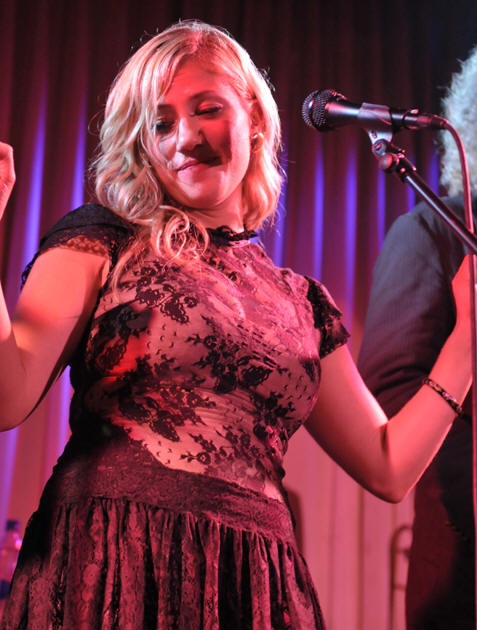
{"x":256,"y":118}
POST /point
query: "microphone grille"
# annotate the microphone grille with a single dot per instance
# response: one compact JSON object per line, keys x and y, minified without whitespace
{"x":314,"y":108}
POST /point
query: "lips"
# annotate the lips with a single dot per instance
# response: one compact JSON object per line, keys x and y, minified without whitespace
{"x":194,"y":164}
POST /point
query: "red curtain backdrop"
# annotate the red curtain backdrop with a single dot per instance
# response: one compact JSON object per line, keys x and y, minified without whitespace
{"x":57,"y":60}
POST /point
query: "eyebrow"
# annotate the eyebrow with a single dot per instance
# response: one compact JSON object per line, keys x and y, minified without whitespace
{"x":194,"y":97}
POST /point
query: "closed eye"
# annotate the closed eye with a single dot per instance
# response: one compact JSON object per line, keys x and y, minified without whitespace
{"x":162,"y":126}
{"x":212,"y":109}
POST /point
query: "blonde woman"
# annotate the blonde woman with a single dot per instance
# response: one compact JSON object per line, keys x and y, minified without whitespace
{"x":193,"y":359}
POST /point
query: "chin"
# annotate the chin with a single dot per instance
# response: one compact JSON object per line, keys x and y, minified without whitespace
{"x":205,"y":202}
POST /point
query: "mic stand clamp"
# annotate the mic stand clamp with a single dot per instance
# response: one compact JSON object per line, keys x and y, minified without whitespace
{"x":392,"y":159}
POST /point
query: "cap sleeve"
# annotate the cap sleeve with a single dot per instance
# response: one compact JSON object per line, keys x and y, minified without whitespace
{"x":326,"y":317}
{"x":90,"y":228}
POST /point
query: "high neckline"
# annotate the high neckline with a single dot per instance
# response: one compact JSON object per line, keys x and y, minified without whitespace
{"x":224,"y":234}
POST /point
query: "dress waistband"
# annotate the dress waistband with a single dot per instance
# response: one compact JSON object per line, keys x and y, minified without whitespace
{"x":123,"y":470}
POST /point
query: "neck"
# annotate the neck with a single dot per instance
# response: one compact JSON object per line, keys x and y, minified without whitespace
{"x":229,"y":212}
{"x":213,"y":219}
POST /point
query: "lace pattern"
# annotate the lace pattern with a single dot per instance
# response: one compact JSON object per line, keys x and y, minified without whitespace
{"x":197,"y":376}
{"x":193,"y":565}
{"x":211,"y":368}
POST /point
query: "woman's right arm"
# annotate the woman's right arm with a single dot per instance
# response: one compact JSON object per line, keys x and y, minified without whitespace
{"x":52,"y":312}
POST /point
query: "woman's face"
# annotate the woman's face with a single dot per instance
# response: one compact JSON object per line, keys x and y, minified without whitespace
{"x":203,"y":131}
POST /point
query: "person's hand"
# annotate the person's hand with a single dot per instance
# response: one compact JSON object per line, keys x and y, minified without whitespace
{"x":7,"y":175}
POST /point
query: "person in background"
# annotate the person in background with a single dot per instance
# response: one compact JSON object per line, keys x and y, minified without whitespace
{"x":193,"y":359}
{"x":410,"y":315}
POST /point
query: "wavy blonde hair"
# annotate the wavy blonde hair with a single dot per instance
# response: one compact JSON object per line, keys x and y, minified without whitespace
{"x":459,"y":107}
{"x":125,"y":180}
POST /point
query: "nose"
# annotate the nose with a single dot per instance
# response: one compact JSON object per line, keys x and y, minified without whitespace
{"x":188,"y":133}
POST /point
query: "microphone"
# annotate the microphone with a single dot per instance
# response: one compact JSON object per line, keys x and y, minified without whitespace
{"x":327,"y":109}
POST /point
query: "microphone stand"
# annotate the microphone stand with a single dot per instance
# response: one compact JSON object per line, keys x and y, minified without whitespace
{"x":392,"y":159}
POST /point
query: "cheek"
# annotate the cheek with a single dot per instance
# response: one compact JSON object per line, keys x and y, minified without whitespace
{"x":240,"y":140}
{"x":231,"y":136}
{"x":219,"y":136}
{"x":240,"y":144}
{"x":162,"y":158}
{"x":234,"y":142}
{"x":164,"y":150}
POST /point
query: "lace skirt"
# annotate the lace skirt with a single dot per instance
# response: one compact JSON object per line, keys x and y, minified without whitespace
{"x":162,"y":550}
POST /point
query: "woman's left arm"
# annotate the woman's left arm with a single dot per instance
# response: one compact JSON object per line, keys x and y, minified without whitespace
{"x":388,"y":457}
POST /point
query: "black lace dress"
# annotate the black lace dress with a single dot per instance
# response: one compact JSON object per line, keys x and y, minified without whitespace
{"x":166,"y":509}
